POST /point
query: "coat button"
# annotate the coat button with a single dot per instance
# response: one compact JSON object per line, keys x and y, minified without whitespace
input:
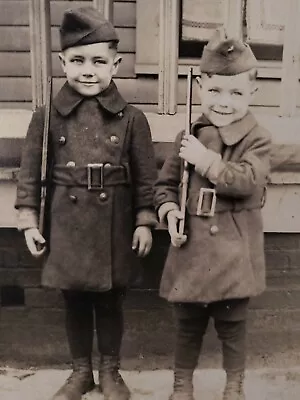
{"x":62,"y":140}
{"x":73,"y":198}
{"x":70,"y":164}
{"x":114,"y":139}
{"x":214,"y":229}
{"x":120,"y":114}
{"x":103,"y":196}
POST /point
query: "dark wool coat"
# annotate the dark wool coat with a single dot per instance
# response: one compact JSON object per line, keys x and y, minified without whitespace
{"x":224,"y":255}
{"x":91,"y":230}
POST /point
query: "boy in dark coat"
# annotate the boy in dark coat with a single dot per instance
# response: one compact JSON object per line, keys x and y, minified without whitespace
{"x":215,"y":268}
{"x":101,"y":211}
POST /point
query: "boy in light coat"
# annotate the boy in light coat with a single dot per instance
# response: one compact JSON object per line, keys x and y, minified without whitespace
{"x":214,"y":269}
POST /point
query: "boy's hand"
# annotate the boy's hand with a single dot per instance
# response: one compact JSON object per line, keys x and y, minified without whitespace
{"x":142,"y":240}
{"x":173,"y":217}
{"x":191,"y":149}
{"x":34,"y":240}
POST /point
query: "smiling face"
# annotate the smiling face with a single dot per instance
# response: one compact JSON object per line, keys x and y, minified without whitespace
{"x":225,"y":99}
{"x":89,"y":68}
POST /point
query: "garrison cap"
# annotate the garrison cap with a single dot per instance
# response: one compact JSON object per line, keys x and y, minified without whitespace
{"x":226,"y":56}
{"x":85,"y":25}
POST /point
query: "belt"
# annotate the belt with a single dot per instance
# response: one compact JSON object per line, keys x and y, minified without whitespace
{"x":91,"y":176}
{"x":206,"y":203}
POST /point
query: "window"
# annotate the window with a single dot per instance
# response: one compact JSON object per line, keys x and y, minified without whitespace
{"x":259,"y":22}
{"x":261,"y":25}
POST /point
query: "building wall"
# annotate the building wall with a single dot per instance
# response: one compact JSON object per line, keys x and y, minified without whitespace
{"x":140,"y":89}
{"x":31,"y":318}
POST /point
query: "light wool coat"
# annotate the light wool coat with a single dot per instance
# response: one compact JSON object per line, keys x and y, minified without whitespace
{"x":224,"y":254}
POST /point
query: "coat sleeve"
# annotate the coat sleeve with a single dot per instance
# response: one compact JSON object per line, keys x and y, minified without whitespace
{"x":143,"y":170}
{"x":27,"y":218}
{"x":28,"y":187}
{"x":240,"y":179}
{"x":167,"y":184}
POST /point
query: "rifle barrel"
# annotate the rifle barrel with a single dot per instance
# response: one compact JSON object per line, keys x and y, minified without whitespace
{"x":185,"y":174}
{"x":44,"y":162}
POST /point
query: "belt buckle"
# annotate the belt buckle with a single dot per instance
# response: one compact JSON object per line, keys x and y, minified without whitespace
{"x":211,"y":211}
{"x":95,"y":176}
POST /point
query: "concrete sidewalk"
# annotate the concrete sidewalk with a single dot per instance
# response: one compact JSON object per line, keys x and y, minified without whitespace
{"x":261,"y":384}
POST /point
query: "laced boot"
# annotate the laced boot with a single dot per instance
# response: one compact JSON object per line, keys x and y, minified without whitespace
{"x":183,"y":385}
{"x":111,"y":382}
{"x":234,"y":389}
{"x":79,"y":382}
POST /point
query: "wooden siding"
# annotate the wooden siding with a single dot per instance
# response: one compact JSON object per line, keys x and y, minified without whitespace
{"x":137,"y":91}
{"x":19,"y":89}
{"x":14,"y":50}
{"x":15,"y":68}
{"x":142,"y":90}
{"x":15,"y":38}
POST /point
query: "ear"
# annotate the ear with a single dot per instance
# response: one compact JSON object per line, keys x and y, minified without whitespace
{"x":117,"y":62}
{"x":199,"y":81}
{"x":254,"y":88}
{"x":62,"y":60}
{"x":199,"y":86}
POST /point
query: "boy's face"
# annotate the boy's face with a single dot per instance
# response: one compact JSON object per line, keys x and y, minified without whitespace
{"x":225,"y":99}
{"x":89,"y":68}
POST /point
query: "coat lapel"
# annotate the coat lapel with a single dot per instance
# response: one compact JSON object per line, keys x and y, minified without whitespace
{"x":68,"y":99}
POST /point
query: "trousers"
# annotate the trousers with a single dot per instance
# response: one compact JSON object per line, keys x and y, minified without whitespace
{"x":85,"y":311}
{"x":230,"y":323}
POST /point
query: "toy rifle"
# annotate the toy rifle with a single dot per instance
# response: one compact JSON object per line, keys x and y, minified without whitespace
{"x":185,"y":173}
{"x":44,"y":164}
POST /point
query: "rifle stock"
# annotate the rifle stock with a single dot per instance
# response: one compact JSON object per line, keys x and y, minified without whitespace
{"x":44,"y":162}
{"x":185,"y":173}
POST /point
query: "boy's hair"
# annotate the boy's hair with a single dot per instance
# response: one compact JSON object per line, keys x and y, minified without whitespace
{"x":113,"y":44}
{"x":253,"y":74}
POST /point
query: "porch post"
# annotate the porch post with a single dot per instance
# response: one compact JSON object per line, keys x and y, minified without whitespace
{"x":168,"y":56}
{"x":290,"y":60}
{"x":106,"y":7}
{"x":40,"y":49}
{"x":234,"y":17}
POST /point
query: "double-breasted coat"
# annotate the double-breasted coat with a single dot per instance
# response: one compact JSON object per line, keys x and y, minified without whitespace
{"x":94,"y":209}
{"x":223,"y":257}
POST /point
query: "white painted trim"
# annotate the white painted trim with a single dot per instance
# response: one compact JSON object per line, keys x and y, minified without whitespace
{"x":280,"y":214}
{"x":168,"y":56}
{"x":106,"y":7}
{"x":40,"y":48}
{"x":234,"y":22}
{"x":290,"y":60}
{"x":266,"y":69}
{"x":284,"y":130}
{"x":14,"y":123}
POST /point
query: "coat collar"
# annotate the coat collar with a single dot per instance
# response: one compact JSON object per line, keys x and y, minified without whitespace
{"x":232,"y":133}
{"x":68,"y":99}
{"x":236,"y":131}
{"x":200,"y":122}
